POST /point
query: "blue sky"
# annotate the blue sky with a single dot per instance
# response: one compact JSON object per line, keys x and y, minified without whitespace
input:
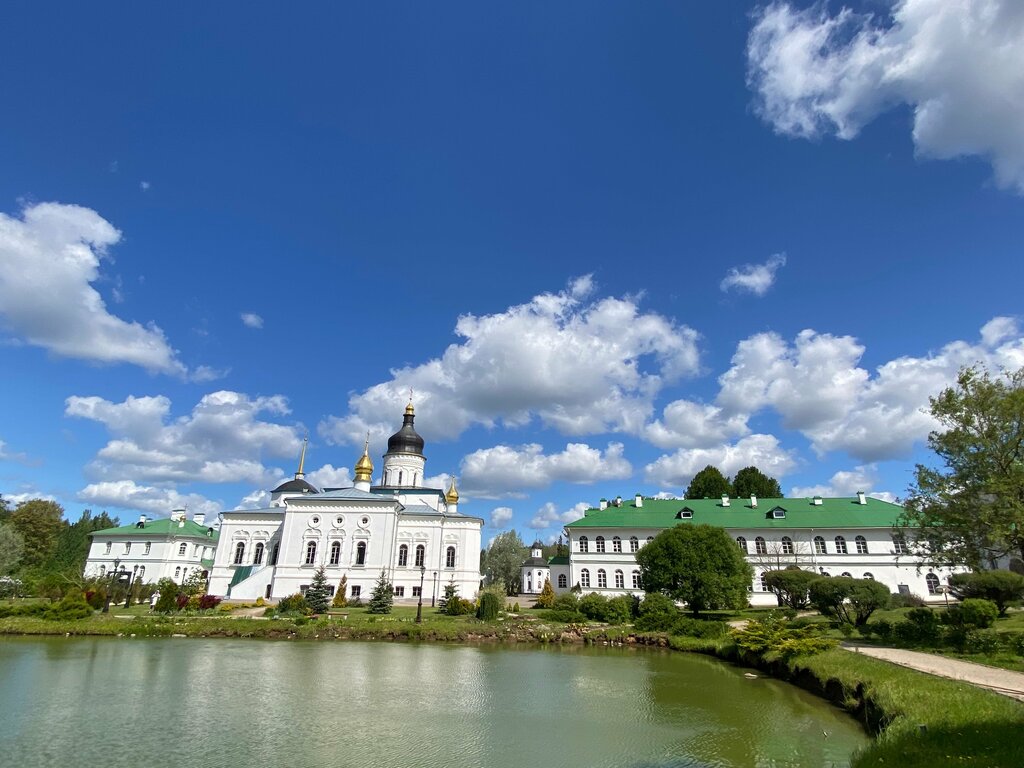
{"x":605,"y":244}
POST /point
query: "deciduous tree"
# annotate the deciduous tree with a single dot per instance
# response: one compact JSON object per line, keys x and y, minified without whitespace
{"x":751,"y":481}
{"x":40,"y":523}
{"x":790,"y":586}
{"x":504,"y":558}
{"x":709,"y":483}
{"x":1001,"y":587}
{"x":11,"y":548}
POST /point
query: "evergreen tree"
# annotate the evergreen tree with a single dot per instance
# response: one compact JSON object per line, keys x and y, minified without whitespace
{"x":339,"y":596}
{"x":318,"y":595}
{"x":382,"y":597}
{"x":450,"y":591}
{"x":709,"y":483}
{"x":751,"y":481}
{"x":546,"y":598}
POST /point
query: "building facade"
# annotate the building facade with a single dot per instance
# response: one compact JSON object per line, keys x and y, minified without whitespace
{"x":415,"y":535}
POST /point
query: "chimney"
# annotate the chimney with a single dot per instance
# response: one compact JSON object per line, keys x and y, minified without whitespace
{"x":618,"y":501}
{"x":603,"y":504}
{"x":178,"y":515}
{"x":753,"y":501}
{"x":816,"y":501}
{"x":639,"y":501}
{"x":142,"y":522}
{"x":861,"y":498}
{"x":199,"y":518}
{"x":725,"y":499}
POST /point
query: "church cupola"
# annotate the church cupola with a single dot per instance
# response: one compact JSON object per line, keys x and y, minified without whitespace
{"x":296,"y":485}
{"x":404,"y":461}
{"x":406,"y":440}
{"x":452,"y":496}
{"x":364,"y":468}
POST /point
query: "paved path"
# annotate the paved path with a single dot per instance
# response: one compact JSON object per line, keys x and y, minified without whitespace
{"x":999,"y":680}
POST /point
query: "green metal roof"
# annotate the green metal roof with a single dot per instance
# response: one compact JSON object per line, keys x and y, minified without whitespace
{"x":558,"y":560}
{"x":799,"y":513}
{"x":164,"y":527}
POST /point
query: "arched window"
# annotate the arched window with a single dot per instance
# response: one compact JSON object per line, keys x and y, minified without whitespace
{"x":616,"y":544}
{"x":141,"y":573}
{"x":840,"y":545}
{"x":335,"y":552}
{"x":602,"y":579}
{"x":870,"y":576}
{"x":819,"y":546}
{"x":449,"y":557}
{"x":846,"y":574}
{"x":599,"y":544}
{"x":361,"y":553}
{"x":181,"y":549}
{"x":276,"y":551}
{"x":636,"y":579}
{"x":634,"y":544}
{"x":310,"y":553}
{"x":562,"y":581}
{"x":760,"y":547}
{"x":103,"y":570}
{"x":761,"y":586}
{"x":257,"y":554}
{"x":584,"y":544}
{"x":403,"y":555}
{"x":177,"y":573}
{"x":620,"y":580}
{"x":239,"y":553}
{"x":899,"y":545}
{"x":742,"y":544}
{"x":399,"y":477}
{"x":650,"y":539}
{"x":421,"y":553}
{"x":585,"y":578}
{"x":862,"y":545}
{"x":933,"y":583}
{"x":787,"y":545}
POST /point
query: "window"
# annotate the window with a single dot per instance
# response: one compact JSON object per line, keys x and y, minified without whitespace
{"x":107,"y":550}
{"x":584,"y":578}
{"x":634,"y":544}
{"x":257,"y":554}
{"x":761,"y":586}
{"x":195,"y":550}
{"x":177,"y":573}
{"x":399,"y":591}
{"x":239,"y":553}
{"x":335,"y":552}
{"x":620,"y":580}
{"x":356,"y":592}
{"x":899,"y":545}
{"x":870,"y":576}
{"x":584,"y":544}
{"x":403,"y":555}
{"x":599,"y":544}
{"x":421,"y":553}
{"x":128,"y":547}
{"x":742,"y":544}
{"x":787,"y":545}
{"x":636,"y":579}
{"x":416,"y":591}
{"x":602,"y":579}
{"x":933,"y":583}
{"x":819,"y":546}
{"x":181,"y":549}
{"x":840,"y":545}
{"x":103,"y":570}
{"x":275,"y":553}
{"x":616,"y":544}
{"x":760,"y":547}
{"x":562,"y":581}
{"x":400,"y":477}
{"x":846,"y":574}
{"x":778,"y":513}
{"x":148,"y":548}
{"x":449,"y":557}
{"x":862,"y":545}
{"x":141,"y":573}
{"x":310,"y":553}
{"x":361,"y":553}
{"x":650,"y":539}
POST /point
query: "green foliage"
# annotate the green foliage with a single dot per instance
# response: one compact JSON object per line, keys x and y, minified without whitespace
{"x":921,"y":627}
{"x":564,"y":616}
{"x":490,"y":606}
{"x":293,"y":604}
{"x":382,"y":597}
{"x":971,"y":509}
{"x":195,"y":584}
{"x":593,"y":606}
{"x":972,"y":613}
{"x":168,"y":600}
{"x":688,"y":627}
{"x":318,"y":596}
{"x":752,"y":481}
{"x":851,"y":601}
{"x":709,"y":483}
{"x":774,"y":635}
{"x":698,"y":564}
{"x":656,"y":613}
{"x":791,"y":586}
{"x":546,"y":598}
{"x":12,"y":547}
{"x":339,"y":600}
{"x":1004,"y":588}
{"x":900,"y":600}
{"x":72,"y":546}
{"x":72,"y":607}
{"x":40,"y":523}
{"x":569,"y":601}
{"x":504,"y":558}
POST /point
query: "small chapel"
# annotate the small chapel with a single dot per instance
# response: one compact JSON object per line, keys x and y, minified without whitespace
{"x":415,"y":535}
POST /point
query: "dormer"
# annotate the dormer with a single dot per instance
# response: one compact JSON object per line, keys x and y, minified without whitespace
{"x":684,"y":514}
{"x":777,"y":513}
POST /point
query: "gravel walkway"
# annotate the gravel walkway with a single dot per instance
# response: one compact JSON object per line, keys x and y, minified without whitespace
{"x":999,"y":680}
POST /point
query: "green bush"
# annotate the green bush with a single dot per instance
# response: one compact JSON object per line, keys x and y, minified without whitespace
{"x":546,"y":599}
{"x":656,"y":613}
{"x":490,"y":606}
{"x":1004,"y":588}
{"x":593,"y":606}
{"x":293,"y":604}
{"x":899,"y":600}
{"x":973,"y":613}
{"x":72,"y":606}
{"x":848,"y":600}
{"x":570,"y":601}
{"x":515,"y":607}
{"x":23,"y":609}
{"x":773,"y":635}
{"x":922,"y":627}
{"x":564,"y":616}
{"x":697,"y":628}
{"x":168,"y":600}
{"x":457,"y":606}
{"x":619,"y":610}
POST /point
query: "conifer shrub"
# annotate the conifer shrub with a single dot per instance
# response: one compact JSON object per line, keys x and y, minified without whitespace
{"x":318,"y":595}
{"x":490,"y":607}
{"x":293,"y":604}
{"x":772,"y":635}
{"x":71,"y":607}
{"x":515,"y":607}
{"x":619,"y":610}
{"x":339,"y":600}
{"x":547,"y":595}
{"x":382,"y":597}
{"x":570,"y":601}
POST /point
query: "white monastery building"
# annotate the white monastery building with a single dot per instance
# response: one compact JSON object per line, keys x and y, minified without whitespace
{"x":415,"y":535}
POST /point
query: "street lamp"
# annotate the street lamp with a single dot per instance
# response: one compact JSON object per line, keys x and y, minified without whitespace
{"x":433,"y":595}
{"x":419,"y":605}
{"x":110,"y":587}
{"x":131,"y":580}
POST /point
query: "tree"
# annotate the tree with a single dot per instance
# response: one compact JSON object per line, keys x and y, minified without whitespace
{"x":72,"y":545}
{"x":40,"y":522}
{"x":847,"y":599}
{"x":504,"y":558}
{"x":450,"y":591}
{"x":698,"y":564}
{"x":339,"y":600}
{"x":319,"y":593}
{"x":1001,"y":587}
{"x":751,"y":481}
{"x":382,"y":597}
{"x":970,"y":510}
{"x":709,"y":483}
{"x":546,"y":598}
{"x":790,"y":586}
{"x":168,"y":599}
{"x":11,"y":548}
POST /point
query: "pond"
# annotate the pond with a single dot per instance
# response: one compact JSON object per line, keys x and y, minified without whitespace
{"x":106,"y":702}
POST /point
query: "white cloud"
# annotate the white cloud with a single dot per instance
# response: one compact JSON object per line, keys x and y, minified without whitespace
{"x":49,"y":259}
{"x":8,"y":455}
{"x":144,"y":186}
{"x":580,"y":365}
{"x":685,"y":424}
{"x":329,"y":476}
{"x":258,"y":499}
{"x":159,"y":500}
{"x":508,"y":471}
{"x":761,"y":451}
{"x":754,"y":278}
{"x":959,"y":64}
{"x":847,"y":483}
{"x":549,"y":515}
{"x":501,"y":516}
{"x":251,"y":320}
{"x":14,"y":499}
{"x":204,"y":374}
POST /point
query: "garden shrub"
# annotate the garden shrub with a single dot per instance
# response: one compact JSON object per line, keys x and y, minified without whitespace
{"x":899,"y":600}
{"x":1004,"y":588}
{"x":849,"y":600}
{"x":564,"y":616}
{"x":685,"y":625}
{"x":490,"y":606}
{"x":921,"y":627}
{"x":593,"y":606}
{"x":570,"y":601}
{"x":294,"y":604}
{"x":458,"y":606}
{"x":24,"y":609}
{"x":546,"y":598}
{"x":619,"y":610}
{"x":975,"y":613}
{"x":72,"y":606}
{"x":773,"y":635}
{"x":656,"y":613}
{"x":208,"y":602}
{"x":515,"y":607}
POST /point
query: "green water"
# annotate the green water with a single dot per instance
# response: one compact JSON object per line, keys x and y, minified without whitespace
{"x":104,"y":702}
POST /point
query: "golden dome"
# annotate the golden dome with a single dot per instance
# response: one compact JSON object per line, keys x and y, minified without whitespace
{"x":364,"y":467}
{"x":409,"y":410}
{"x":452,"y":497}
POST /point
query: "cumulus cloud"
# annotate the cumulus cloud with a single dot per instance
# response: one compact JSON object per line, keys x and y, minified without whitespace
{"x":251,"y":320}
{"x":549,"y":515}
{"x":501,"y":516}
{"x":329,"y":476}
{"x":762,"y":451}
{"x":958,"y":64}
{"x":846,"y":483}
{"x":580,"y":364}
{"x":14,"y":499}
{"x":686,"y":424}
{"x":158,"y":500}
{"x":49,"y":259}
{"x":508,"y":471}
{"x":754,"y":278}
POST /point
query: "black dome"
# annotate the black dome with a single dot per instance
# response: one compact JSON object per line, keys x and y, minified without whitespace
{"x":298,"y":485}
{"x":406,"y":440}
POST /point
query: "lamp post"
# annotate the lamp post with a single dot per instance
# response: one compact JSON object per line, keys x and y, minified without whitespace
{"x":419,"y":605}
{"x":110,"y":587}
{"x":131,"y":581}
{"x":433,"y":595}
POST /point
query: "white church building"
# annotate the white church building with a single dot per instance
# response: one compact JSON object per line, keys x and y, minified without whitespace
{"x":415,"y":535}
